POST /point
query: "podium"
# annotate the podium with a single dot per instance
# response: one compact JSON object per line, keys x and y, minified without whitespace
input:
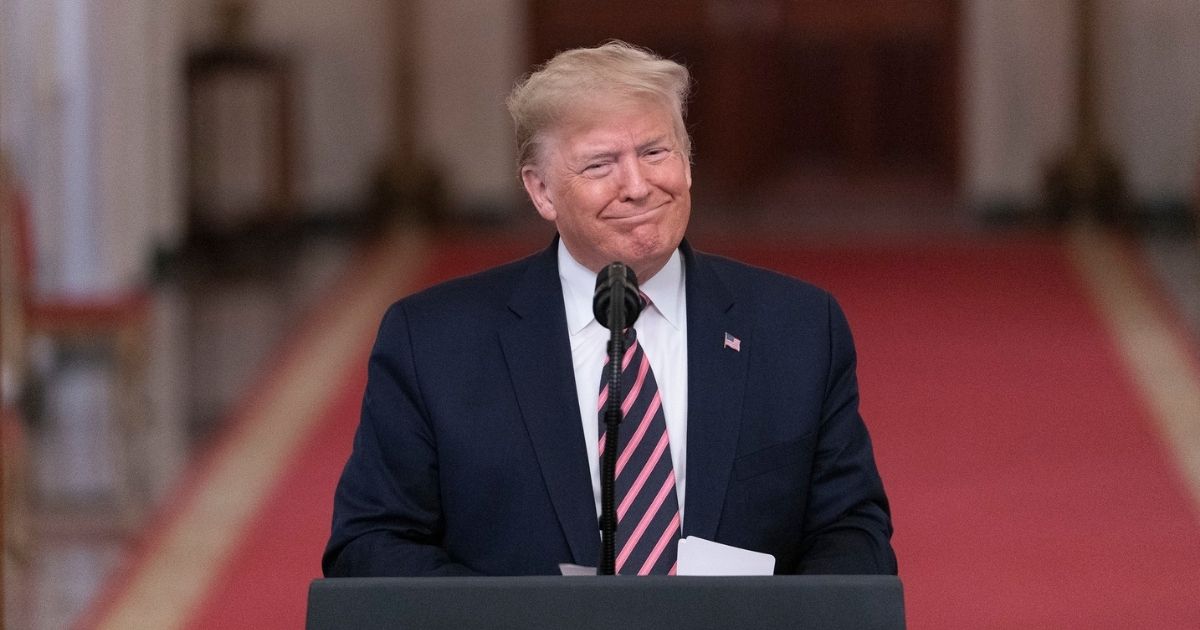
{"x":859,"y":602}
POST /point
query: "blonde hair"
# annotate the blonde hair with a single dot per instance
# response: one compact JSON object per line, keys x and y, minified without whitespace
{"x":544,"y":98}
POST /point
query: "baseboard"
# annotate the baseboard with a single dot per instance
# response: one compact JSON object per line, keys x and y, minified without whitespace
{"x":1159,"y":215}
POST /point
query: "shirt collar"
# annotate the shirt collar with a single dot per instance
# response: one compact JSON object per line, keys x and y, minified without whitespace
{"x":665,"y":290}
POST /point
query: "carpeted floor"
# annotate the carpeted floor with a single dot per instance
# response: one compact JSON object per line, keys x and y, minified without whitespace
{"x":1030,"y":489}
{"x":1031,"y":486}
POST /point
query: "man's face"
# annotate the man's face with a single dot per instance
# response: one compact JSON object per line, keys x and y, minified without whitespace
{"x":616,"y":184}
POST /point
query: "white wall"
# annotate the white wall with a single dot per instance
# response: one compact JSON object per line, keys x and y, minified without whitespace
{"x":1149,"y":68}
{"x":91,"y":107}
{"x":344,"y":87}
{"x":166,"y":43}
{"x":122,"y":138}
{"x":345,"y":82}
{"x":470,"y":55}
{"x":1018,"y":88}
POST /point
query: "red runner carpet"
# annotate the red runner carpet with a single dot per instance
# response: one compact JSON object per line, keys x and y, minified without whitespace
{"x":1030,"y":487}
{"x":266,"y":583}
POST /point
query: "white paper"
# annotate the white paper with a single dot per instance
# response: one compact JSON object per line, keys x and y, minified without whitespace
{"x":704,"y":557}
{"x":575,"y":569}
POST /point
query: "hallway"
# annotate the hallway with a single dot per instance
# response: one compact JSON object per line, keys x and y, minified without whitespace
{"x":258,"y":393}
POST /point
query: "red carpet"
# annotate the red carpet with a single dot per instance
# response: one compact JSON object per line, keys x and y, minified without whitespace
{"x":266,"y":584}
{"x":1029,"y":486}
{"x":1029,"y":489}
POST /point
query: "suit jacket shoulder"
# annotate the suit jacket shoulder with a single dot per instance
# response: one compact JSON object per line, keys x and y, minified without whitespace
{"x":473,"y":296}
{"x":754,"y":285}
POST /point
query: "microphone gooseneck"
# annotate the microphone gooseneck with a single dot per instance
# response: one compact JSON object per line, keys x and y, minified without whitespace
{"x":616,"y":305}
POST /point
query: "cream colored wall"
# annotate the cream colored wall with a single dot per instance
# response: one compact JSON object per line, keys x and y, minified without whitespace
{"x":1017,"y":91}
{"x":1018,"y":88}
{"x":470,"y":54}
{"x":91,"y":107}
{"x":1149,"y":68}
{"x":136,"y":135}
{"x":344,"y":75}
{"x":166,"y":111}
{"x":344,"y":56}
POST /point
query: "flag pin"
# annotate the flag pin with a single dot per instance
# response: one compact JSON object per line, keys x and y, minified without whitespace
{"x":733,"y":342}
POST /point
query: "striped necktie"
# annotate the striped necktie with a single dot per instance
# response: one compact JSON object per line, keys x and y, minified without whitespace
{"x":648,"y":523}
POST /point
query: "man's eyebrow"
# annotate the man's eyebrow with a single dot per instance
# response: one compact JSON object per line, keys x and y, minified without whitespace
{"x":588,"y":156}
{"x":657,"y":140}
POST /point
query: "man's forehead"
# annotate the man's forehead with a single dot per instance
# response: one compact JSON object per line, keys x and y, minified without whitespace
{"x":603,"y":130}
{"x":602,"y":141}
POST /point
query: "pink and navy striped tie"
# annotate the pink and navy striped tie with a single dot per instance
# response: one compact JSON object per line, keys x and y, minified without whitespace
{"x":648,"y":523}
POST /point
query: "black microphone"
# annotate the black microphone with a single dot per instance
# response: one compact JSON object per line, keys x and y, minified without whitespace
{"x":614,"y":274}
{"x":616,"y":305}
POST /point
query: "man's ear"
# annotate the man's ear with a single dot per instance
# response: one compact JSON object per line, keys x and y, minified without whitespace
{"x":539,"y":192}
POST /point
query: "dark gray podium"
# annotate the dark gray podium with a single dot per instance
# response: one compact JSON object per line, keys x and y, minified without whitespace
{"x":661,"y":602}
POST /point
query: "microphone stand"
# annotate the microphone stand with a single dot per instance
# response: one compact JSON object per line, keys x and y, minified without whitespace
{"x":612,"y":421}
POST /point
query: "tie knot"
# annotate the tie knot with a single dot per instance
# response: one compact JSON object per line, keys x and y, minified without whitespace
{"x":630,"y":333}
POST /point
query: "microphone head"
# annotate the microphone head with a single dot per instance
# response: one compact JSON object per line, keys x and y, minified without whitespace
{"x":617,"y":279}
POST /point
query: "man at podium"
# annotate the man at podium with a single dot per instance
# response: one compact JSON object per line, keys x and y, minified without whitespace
{"x":481,"y":435}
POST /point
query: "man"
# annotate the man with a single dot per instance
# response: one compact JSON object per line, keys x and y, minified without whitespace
{"x":479,"y":444}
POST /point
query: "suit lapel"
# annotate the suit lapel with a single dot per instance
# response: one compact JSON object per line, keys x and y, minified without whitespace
{"x":538,"y":353}
{"x":716,"y":384}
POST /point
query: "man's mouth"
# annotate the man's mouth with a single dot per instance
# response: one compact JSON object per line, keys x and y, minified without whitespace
{"x":637,"y":214}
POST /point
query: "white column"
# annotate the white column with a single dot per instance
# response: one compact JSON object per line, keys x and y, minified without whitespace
{"x":65,"y":212}
{"x":90,"y":119}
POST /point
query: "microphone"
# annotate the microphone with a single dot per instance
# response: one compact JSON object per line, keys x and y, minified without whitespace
{"x":616,"y":305}
{"x":616,"y":280}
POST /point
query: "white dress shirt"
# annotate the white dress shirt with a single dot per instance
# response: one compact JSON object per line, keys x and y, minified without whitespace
{"x":662,"y":331}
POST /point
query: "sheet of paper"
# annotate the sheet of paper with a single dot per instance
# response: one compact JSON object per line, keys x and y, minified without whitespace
{"x":704,"y":557}
{"x":575,"y":569}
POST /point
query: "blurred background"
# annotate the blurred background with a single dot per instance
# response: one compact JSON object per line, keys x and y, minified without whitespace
{"x":187,"y":185}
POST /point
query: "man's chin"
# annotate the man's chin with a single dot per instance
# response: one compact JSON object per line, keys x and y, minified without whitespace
{"x":647,"y":262}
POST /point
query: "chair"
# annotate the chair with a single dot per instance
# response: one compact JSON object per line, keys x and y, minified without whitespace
{"x":119,"y":322}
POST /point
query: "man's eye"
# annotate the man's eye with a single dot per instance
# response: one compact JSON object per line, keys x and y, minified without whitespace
{"x":596,"y":169}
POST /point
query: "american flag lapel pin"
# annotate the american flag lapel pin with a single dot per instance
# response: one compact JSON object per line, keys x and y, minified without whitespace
{"x":733,"y":342}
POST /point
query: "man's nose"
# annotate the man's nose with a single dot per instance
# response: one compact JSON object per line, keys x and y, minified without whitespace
{"x":634,"y":186}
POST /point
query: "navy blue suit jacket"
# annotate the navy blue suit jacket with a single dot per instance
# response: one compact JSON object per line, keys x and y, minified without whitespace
{"x":469,"y":457}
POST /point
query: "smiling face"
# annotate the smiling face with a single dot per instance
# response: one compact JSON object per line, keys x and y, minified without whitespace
{"x":616,"y":183}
